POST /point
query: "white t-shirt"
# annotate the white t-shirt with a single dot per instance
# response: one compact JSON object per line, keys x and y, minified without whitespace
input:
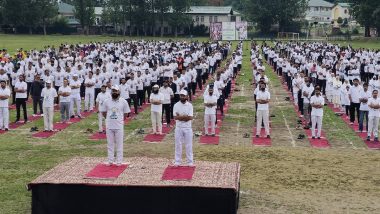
{"x":63,"y":89}
{"x":101,"y":98}
{"x":355,"y":93}
{"x":4,"y":92}
{"x":183,"y":109}
{"x":115,"y":113}
{"x":21,"y":86}
{"x":75,"y":92}
{"x":156,"y":97}
{"x":48,"y":96}
{"x":364,"y":94}
{"x":166,"y":92}
{"x":373,"y":112}
{"x":317,"y":101}
{"x":210,"y":99}
{"x":91,"y":81}
{"x":124,"y":91}
{"x":260,"y":95}
{"x":309,"y":91}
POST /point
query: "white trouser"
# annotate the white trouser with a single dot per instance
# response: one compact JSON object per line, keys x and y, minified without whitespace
{"x":183,"y":135}
{"x":4,"y":118}
{"x":295,"y":96}
{"x":115,"y":138}
{"x":316,"y":120}
{"x":373,"y":126}
{"x":210,"y":118}
{"x":262,"y":116}
{"x":89,"y":100}
{"x":100,"y":121}
{"x":75,"y":101}
{"x":48,"y":118}
{"x":156,"y":118}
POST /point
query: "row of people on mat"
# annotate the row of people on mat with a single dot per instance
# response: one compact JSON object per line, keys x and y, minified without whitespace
{"x":137,"y":66}
{"x":306,"y":67}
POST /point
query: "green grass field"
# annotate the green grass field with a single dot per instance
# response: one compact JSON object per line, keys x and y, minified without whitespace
{"x":289,"y":177}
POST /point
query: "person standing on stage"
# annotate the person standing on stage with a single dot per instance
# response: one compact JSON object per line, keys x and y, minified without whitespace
{"x":115,"y":111}
{"x":156,"y":99}
{"x":5,"y":93}
{"x":262,"y":113}
{"x":374,"y":116}
{"x":183,"y":114}
{"x":317,"y":102}
{"x":21,"y":90}
{"x":48,"y":95}
{"x":210,"y":102}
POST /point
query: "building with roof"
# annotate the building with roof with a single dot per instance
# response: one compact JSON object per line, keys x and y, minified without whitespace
{"x":319,"y":11}
{"x":341,"y":10}
{"x":67,"y":11}
{"x":205,"y":15}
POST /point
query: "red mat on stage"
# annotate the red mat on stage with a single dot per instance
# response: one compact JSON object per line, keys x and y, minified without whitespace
{"x":262,"y":140}
{"x":178,"y":173}
{"x":102,"y":171}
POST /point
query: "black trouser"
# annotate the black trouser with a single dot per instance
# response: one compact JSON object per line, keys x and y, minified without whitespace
{"x":140,"y":97}
{"x":82,"y":90}
{"x":221,"y":104}
{"x":28,"y":84}
{"x":193,"y":87}
{"x":173,"y":102}
{"x":166,"y":109}
{"x":13,"y":95}
{"x":37,"y":101}
{"x":234,"y":72}
{"x":354,"y":107}
{"x":204,"y":77}
{"x":21,"y":102}
{"x":133,"y":97}
{"x":322,"y":84}
{"x":227,"y":89}
{"x":56,"y":99}
{"x":97,"y":91}
{"x":147,"y":91}
{"x":189,"y":91}
{"x":300,"y":102}
{"x":199,"y":82}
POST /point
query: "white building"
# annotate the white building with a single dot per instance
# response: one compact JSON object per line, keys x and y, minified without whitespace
{"x":319,"y":11}
{"x":204,"y":15}
{"x":341,"y":10}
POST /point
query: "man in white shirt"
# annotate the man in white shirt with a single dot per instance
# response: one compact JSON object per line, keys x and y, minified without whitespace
{"x":75,"y":98}
{"x":354,"y":96}
{"x":307,"y":90}
{"x":262,"y":113}
{"x":48,"y":95}
{"x":317,"y":102}
{"x":5,"y":93}
{"x":156,"y":99}
{"x":132,"y":86}
{"x":100,"y":100}
{"x":183,"y":114}
{"x":89,"y":98}
{"x":365,"y":94}
{"x":115,"y":110}
{"x":168,"y":94}
{"x":210,"y":102}
{"x":374,"y":116}
{"x":64,"y":102}
{"x":21,"y":97}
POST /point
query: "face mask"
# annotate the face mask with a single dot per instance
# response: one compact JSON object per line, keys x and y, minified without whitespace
{"x":183,"y":100}
{"x":115,"y":95}
{"x":262,"y":89}
{"x":210,"y":93}
{"x":308,"y":84}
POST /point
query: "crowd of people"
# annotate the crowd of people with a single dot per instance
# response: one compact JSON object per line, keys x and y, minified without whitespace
{"x":318,"y":74}
{"x":113,"y":77}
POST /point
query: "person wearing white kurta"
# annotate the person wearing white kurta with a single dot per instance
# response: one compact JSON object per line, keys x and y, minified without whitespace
{"x":183,"y":114}
{"x":156,"y":99}
{"x":48,"y":95}
{"x":317,"y":102}
{"x":5,"y":93}
{"x":374,"y":116}
{"x":115,"y":110}
{"x":75,"y":98}
{"x":262,"y":113}
{"x":365,"y":94}
{"x":210,"y":103}
{"x":100,"y":100}
{"x":89,"y":98}
{"x":64,"y":102}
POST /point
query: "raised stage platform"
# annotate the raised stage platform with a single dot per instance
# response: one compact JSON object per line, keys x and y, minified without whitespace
{"x":146,"y":186}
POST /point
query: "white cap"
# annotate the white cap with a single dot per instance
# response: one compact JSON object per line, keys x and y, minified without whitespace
{"x":115,"y":87}
{"x":183,"y":92}
{"x":48,"y":82}
{"x":75,"y":75}
{"x":156,"y":86}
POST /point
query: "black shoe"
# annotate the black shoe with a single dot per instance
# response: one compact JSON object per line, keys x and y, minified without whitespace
{"x":72,"y":116}
{"x":368,"y":138}
{"x":318,"y":138}
{"x":6,"y":129}
{"x":313,"y":137}
{"x":257,"y":136}
{"x":268,"y":136}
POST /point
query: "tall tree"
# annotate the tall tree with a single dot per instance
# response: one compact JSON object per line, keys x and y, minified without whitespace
{"x":364,"y":12}
{"x":178,"y":17}
{"x":47,"y":10}
{"x":85,"y":12}
{"x":162,"y":7}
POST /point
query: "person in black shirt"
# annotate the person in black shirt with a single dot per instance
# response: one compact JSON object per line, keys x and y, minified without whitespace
{"x":35,"y":91}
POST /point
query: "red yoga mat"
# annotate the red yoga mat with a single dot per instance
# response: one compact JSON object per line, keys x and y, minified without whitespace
{"x":102,"y":171}
{"x":209,"y":140}
{"x":44,"y":134}
{"x":154,"y":138}
{"x":21,"y":123}
{"x":317,"y":143}
{"x":262,"y":140}
{"x":178,"y":173}
{"x":98,"y":136}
